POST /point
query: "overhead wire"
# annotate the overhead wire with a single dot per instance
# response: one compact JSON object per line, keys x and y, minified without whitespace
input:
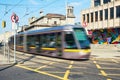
{"x":39,"y":8}
{"x":10,"y":9}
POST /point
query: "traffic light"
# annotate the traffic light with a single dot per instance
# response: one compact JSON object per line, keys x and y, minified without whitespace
{"x":3,"y":24}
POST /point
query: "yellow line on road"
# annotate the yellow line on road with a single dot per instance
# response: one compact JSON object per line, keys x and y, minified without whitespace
{"x":98,"y":66}
{"x":103,"y":73}
{"x":70,"y":66}
{"x":68,"y":71}
{"x":94,"y":62}
{"x":44,"y":66}
{"x":41,"y":72}
{"x":111,"y":68}
{"x":66,"y":75}
{"x":113,"y":74}
{"x":71,"y":62}
{"x":115,"y":61}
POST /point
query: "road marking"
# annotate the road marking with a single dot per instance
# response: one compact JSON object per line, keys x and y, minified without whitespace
{"x":68,"y":71}
{"x":111,"y":68}
{"x":41,"y":72}
{"x":70,"y":66}
{"x":71,"y":62}
{"x":115,"y":61}
{"x":80,"y":67}
{"x":98,"y":66}
{"x":113,"y":74}
{"x":66,"y":75}
{"x":94,"y":62}
{"x":44,"y":66}
{"x":103,"y":73}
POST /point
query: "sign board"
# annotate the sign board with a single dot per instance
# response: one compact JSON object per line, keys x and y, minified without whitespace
{"x":14,"y":18}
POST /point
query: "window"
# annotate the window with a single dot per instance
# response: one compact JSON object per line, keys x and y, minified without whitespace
{"x":96,"y":16}
{"x":55,"y":22}
{"x":106,"y":1}
{"x":91,"y":17}
{"x":87,"y":18}
{"x":96,"y":2}
{"x":111,"y":13}
{"x":82,"y":38}
{"x":117,"y":11}
{"x":69,"y":41}
{"x":59,"y":40}
{"x":101,"y":15}
{"x":83,"y":17}
{"x":106,"y":14}
{"x":19,"y":41}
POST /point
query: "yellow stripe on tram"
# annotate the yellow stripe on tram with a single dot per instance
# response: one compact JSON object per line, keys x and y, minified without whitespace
{"x":32,"y":47}
{"x":77,"y":50}
{"x":20,"y":46}
{"x":48,"y":49}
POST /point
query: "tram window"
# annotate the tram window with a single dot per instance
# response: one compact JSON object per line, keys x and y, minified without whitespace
{"x":20,"y":40}
{"x":80,"y":34}
{"x":52,"y":39}
{"x":31,"y":41}
{"x":44,"y":40}
{"x":81,"y":37}
{"x":69,"y":41}
{"x":58,"y":40}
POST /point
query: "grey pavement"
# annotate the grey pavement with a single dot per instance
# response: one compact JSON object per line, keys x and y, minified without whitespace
{"x":105,"y":51}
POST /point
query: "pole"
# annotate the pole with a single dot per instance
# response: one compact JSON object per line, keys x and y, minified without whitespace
{"x":66,"y":4}
{"x":4,"y":47}
{"x":14,"y":46}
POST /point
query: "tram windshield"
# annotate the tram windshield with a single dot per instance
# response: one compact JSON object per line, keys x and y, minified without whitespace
{"x":82,"y":38}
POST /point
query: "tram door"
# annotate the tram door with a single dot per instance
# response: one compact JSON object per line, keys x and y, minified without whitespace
{"x":59,"y":44}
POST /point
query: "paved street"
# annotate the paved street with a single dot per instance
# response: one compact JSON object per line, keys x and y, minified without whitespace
{"x":34,"y":67}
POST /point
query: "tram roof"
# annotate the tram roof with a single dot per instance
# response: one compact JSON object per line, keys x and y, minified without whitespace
{"x":56,"y":28}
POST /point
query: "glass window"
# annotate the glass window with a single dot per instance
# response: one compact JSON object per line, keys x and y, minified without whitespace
{"x":83,"y":17}
{"x":101,"y":15}
{"x":45,"y":40}
{"x":117,"y":11}
{"x":106,"y":14}
{"x":87,"y":18}
{"x":91,"y":17}
{"x":52,"y":40}
{"x":31,"y":41}
{"x":96,"y":16}
{"x":82,"y":38}
{"x":58,"y":40}
{"x":96,"y":2}
{"x":111,"y":13}
{"x":69,"y":41}
{"x":106,"y":1}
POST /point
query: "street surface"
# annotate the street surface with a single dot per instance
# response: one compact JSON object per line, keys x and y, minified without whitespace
{"x":35,"y":67}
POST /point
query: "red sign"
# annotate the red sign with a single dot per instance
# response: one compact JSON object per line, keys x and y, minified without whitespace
{"x":14,"y":18}
{"x":85,"y":24}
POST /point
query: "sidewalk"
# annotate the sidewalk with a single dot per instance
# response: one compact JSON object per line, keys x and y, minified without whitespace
{"x":4,"y":63}
{"x":105,"y":51}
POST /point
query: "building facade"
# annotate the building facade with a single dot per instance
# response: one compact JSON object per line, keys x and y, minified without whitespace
{"x":51,"y":19}
{"x":102,"y":14}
